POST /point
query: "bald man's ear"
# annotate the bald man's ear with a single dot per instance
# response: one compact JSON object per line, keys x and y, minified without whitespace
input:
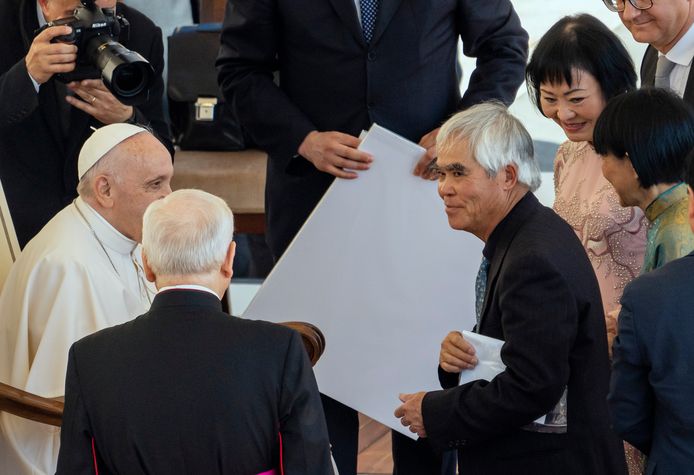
{"x":103,"y":191}
{"x":227,"y":269}
{"x":149,"y":274}
{"x":690,"y":192}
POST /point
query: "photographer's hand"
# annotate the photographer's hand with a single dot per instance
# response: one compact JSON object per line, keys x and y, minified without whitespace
{"x":45,"y":59}
{"x":98,"y":102}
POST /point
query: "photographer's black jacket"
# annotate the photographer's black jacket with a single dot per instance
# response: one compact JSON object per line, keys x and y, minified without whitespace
{"x":38,"y":165}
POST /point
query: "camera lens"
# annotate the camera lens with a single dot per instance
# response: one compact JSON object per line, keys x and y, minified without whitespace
{"x":129,"y":79}
{"x":127,"y":74}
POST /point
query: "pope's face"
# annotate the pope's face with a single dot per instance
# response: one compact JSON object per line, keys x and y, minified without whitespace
{"x":54,"y":9}
{"x":662,"y":25}
{"x":469,"y":194}
{"x":145,"y":178}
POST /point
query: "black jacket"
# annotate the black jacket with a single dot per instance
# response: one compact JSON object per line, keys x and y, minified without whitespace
{"x":543,"y":300}
{"x":188,"y":389}
{"x":652,"y":386}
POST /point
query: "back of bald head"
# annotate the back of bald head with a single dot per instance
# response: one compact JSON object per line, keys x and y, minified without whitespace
{"x":187,"y":233}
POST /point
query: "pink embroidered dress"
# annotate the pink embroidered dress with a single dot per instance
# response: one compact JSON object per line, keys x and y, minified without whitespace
{"x":614,"y":237}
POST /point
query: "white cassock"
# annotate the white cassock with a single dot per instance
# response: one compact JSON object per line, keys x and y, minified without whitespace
{"x":77,"y":276}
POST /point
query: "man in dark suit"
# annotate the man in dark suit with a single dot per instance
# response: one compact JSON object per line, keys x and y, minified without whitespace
{"x":43,"y":122}
{"x":185,"y":388}
{"x":652,"y":389}
{"x":666,"y":25}
{"x":546,"y":412}
{"x":343,"y":65}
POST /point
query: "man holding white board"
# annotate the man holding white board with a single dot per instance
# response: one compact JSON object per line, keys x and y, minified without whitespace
{"x":546,"y":411}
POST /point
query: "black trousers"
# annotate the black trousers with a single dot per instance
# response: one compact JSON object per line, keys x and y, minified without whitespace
{"x":343,"y":431}
{"x":417,"y":457}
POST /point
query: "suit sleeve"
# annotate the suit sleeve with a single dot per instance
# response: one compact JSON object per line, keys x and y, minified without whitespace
{"x":18,"y":98}
{"x":75,"y":457}
{"x":151,"y":113}
{"x":539,"y":322}
{"x":491,"y":32}
{"x":631,"y":398}
{"x":302,"y":424}
{"x":245,"y":66}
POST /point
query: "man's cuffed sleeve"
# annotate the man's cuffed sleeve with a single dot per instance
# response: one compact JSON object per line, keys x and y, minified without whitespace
{"x":18,"y":97}
{"x":493,"y":34}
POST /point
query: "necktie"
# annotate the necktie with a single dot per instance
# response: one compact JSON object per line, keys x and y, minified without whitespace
{"x":369,"y":10}
{"x":481,"y":288}
{"x":662,"y":72}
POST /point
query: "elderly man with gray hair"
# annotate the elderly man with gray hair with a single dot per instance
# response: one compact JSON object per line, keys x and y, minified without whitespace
{"x":80,"y":274}
{"x":206,"y":392}
{"x":536,"y":291}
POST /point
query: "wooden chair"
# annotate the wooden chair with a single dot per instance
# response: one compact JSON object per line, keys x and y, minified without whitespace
{"x":50,"y":411}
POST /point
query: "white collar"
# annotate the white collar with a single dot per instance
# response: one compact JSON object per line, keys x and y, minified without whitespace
{"x":201,"y":288}
{"x":39,"y":14}
{"x":683,"y":51}
{"x":105,"y":232}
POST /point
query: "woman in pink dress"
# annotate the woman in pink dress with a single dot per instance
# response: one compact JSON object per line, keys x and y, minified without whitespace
{"x":577,"y":66}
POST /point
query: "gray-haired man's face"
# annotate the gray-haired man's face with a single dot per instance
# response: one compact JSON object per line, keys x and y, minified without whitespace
{"x":468,"y":193}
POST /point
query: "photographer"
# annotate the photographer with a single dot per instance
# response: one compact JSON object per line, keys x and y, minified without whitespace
{"x":43,"y":121}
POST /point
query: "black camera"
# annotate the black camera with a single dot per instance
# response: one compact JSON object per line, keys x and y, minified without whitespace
{"x":95,"y":32}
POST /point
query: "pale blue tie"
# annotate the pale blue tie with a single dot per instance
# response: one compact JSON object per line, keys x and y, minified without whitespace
{"x":662,"y":72}
{"x":369,"y":10}
{"x":481,"y":288}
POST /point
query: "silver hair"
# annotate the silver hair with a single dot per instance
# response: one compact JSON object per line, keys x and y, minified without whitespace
{"x":496,"y":139}
{"x":187,"y":233}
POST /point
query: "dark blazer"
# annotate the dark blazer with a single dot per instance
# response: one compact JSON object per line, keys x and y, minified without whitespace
{"x":187,"y":389}
{"x":38,"y":162}
{"x":648,"y":65}
{"x":652,"y":385}
{"x":543,"y":300}
{"x":331,"y":79}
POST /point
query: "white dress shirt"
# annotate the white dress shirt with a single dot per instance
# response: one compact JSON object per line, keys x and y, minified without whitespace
{"x":681,"y":54}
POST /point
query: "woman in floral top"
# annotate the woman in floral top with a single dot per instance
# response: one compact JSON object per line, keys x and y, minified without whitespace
{"x":645,"y":138}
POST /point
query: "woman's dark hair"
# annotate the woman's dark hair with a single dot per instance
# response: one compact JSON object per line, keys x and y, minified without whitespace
{"x":690,"y":169}
{"x":654,"y":127}
{"x":580,"y":42}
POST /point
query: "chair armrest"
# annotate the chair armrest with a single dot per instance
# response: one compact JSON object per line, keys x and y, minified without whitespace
{"x":30,"y":406}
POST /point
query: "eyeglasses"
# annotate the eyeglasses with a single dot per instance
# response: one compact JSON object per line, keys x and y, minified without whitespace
{"x":620,"y":5}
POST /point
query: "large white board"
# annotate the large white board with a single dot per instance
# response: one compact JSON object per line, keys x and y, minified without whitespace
{"x":377,"y":268}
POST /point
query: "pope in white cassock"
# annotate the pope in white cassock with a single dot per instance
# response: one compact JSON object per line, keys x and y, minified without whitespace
{"x":80,"y":274}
